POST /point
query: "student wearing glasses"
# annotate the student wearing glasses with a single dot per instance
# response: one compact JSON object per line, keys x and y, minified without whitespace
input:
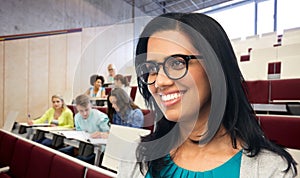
{"x":204,"y":126}
{"x":112,"y":71}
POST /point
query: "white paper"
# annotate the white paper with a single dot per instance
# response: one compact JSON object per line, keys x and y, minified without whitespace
{"x":83,"y":136}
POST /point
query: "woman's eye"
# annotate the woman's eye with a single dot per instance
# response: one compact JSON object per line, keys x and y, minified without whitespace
{"x":151,"y":69}
{"x":176,"y":63}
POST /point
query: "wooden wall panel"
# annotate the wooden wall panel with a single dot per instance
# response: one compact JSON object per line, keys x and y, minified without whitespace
{"x":117,"y":50}
{"x":16,"y":78}
{"x":86,"y":65}
{"x":1,"y":83}
{"x":57,"y":65}
{"x":73,"y":58}
{"x":38,"y":76}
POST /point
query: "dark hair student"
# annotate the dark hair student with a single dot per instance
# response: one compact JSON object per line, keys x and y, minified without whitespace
{"x":188,"y":74}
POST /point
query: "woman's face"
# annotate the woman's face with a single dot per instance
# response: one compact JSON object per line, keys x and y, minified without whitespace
{"x":113,"y":101}
{"x":98,"y":83}
{"x":57,"y":103}
{"x":182,"y":99}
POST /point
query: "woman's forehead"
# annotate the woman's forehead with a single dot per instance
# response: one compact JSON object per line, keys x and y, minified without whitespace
{"x":168,"y":43}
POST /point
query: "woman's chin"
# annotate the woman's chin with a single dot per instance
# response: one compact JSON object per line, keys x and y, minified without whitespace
{"x":171,"y":116}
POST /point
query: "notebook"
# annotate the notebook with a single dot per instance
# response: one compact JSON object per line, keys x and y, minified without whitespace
{"x":121,"y":145}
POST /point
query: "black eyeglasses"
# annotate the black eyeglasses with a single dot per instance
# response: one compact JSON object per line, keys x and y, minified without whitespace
{"x":174,"y":66}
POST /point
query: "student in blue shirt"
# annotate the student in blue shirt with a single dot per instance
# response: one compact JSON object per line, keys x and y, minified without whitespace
{"x":90,"y":120}
{"x":123,"y":111}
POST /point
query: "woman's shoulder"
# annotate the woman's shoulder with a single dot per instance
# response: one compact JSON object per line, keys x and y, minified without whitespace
{"x":265,"y":164}
{"x":68,"y":110}
{"x":137,"y":110}
{"x":50,"y":110}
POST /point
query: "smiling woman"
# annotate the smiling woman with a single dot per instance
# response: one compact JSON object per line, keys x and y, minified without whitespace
{"x":58,"y":115}
{"x":205,"y":127}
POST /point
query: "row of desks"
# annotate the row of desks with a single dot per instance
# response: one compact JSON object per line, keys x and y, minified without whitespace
{"x":69,"y":136}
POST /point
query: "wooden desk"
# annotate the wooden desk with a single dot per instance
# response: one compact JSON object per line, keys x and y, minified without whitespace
{"x":98,"y":101}
{"x":77,"y":138}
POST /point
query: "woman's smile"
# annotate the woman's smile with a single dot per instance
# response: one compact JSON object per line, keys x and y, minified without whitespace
{"x":171,"y":98}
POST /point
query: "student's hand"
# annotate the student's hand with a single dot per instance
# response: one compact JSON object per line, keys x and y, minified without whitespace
{"x":53,"y":125}
{"x":99,"y":135}
{"x":29,"y":122}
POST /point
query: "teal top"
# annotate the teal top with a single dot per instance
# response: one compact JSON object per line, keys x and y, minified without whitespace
{"x":229,"y":169}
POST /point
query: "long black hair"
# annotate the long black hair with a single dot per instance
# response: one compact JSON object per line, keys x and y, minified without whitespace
{"x":124,"y":103}
{"x":238,"y":117}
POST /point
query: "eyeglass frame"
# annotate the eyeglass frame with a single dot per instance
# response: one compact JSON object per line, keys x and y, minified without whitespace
{"x":157,"y":65}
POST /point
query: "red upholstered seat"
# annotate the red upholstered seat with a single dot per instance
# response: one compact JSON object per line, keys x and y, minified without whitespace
{"x":107,"y":90}
{"x":133,"y":92}
{"x":6,"y":149}
{"x":257,"y":91}
{"x":21,"y":156}
{"x":62,"y":168}
{"x":73,"y":109}
{"x":287,"y":89}
{"x":95,"y":174}
{"x":40,"y":163}
{"x":283,"y":130}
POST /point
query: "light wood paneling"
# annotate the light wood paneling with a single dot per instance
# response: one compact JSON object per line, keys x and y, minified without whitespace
{"x":57,"y":64}
{"x":73,"y":59}
{"x":1,"y":83}
{"x":38,"y":76}
{"x":16,"y":78}
{"x":86,"y":65}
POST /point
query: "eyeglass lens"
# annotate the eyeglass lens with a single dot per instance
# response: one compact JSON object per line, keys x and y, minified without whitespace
{"x":175,"y":67}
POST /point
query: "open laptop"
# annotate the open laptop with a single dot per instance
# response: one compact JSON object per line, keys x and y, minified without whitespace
{"x":10,"y":120}
{"x":121,"y":145}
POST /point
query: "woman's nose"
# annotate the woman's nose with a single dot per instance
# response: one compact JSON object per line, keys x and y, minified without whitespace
{"x":162,"y":79}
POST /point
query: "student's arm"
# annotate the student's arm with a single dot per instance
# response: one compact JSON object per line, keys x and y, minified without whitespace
{"x":103,"y":126}
{"x":102,"y":92}
{"x":138,"y":119}
{"x":77,"y":125}
{"x":46,"y":117}
{"x":87,"y":92}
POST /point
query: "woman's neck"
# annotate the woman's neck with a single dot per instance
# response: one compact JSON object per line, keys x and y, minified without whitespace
{"x":198,"y":157}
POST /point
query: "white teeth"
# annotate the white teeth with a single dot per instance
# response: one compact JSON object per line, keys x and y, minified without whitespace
{"x":171,"y":96}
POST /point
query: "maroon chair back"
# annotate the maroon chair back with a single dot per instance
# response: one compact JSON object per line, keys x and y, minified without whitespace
{"x":95,"y":174}
{"x":62,"y":168}
{"x":40,"y":163}
{"x":7,"y":148}
{"x":133,"y":92}
{"x":283,"y":130}
{"x":19,"y":163}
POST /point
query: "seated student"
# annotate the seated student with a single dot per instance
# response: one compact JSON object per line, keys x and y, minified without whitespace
{"x":58,"y":115}
{"x":121,"y":82}
{"x":112,"y":70}
{"x":97,"y":90}
{"x":90,"y":120}
{"x":123,"y":111}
